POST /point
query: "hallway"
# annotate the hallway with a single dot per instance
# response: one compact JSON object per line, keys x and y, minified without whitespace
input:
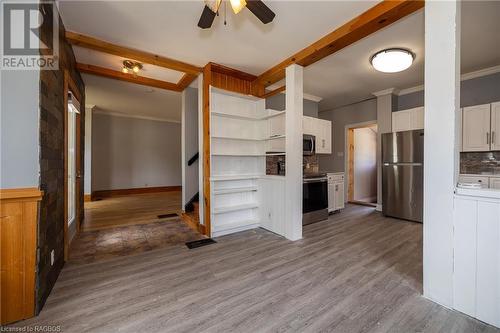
{"x":127,"y":225}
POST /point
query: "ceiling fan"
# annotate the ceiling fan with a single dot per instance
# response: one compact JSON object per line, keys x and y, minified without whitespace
{"x":257,"y":7}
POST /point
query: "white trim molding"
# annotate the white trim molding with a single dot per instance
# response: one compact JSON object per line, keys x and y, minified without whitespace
{"x":309,"y":97}
{"x":124,"y":115}
{"x":463,"y":77}
{"x":384,"y":92}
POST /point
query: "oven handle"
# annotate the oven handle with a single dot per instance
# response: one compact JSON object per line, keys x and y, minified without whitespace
{"x":313,"y":149}
{"x":316,"y":180}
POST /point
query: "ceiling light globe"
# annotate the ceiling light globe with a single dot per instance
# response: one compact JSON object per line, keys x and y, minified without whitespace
{"x":392,"y":60}
{"x":238,"y":5}
{"x":125,"y":70}
{"x":136,"y":69}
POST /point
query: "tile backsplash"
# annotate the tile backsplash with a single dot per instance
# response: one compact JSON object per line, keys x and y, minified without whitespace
{"x":310,"y":164}
{"x":480,"y":163}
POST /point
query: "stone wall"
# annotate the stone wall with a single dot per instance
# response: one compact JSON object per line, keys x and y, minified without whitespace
{"x":51,"y":219}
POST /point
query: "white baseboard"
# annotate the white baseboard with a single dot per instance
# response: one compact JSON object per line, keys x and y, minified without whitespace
{"x":378,"y":208}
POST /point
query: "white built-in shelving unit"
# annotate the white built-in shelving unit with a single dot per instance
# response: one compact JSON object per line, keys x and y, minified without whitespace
{"x":242,"y":133}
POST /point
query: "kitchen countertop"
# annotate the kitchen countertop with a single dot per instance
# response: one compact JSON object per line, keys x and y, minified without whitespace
{"x":487,"y":193}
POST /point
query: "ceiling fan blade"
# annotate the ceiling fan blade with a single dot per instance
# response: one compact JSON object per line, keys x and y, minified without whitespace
{"x":259,"y":9}
{"x":207,"y":18}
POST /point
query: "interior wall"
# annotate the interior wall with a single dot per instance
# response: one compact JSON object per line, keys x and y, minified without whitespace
{"x":365,"y":164}
{"x":51,"y":216}
{"x":19,"y":124}
{"x":134,"y":153}
{"x":352,"y":114}
{"x":277,"y":102}
{"x":190,"y":123}
{"x":479,"y":90}
{"x":87,"y":182}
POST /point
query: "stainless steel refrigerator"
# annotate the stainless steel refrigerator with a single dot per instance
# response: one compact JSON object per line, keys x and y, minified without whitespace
{"x":403,"y":174}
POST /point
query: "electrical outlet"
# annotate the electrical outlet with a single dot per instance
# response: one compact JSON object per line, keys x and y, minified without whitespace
{"x":52,"y":257}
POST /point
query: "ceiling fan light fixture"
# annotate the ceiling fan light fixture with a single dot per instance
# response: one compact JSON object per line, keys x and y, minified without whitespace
{"x":392,"y":60}
{"x":238,"y":5}
{"x":131,"y":66}
{"x":213,"y":5}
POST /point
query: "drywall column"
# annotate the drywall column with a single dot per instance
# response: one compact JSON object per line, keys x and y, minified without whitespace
{"x":293,"y":149}
{"x":200,"y":149}
{"x":189,"y":129}
{"x":386,"y":103}
{"x":87,"y":170}
{"x":442,"y":104}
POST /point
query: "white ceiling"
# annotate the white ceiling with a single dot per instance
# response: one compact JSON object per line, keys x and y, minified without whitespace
{"x":124,"y":98}
{"x":169,"y":28}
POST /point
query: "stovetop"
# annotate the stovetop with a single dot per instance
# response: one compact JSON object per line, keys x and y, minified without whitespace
{"x":314,"y":175}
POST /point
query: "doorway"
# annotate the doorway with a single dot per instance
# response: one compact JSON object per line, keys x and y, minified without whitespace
{"x":72,"y":163}
{"x":362,"y":164}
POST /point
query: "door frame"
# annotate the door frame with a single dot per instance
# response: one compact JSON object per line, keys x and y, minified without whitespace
{"x":70,"y":86}
{"x":347,"y":157}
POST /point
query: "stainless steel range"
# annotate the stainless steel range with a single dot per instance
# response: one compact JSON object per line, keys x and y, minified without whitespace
{"x":315,"y":198}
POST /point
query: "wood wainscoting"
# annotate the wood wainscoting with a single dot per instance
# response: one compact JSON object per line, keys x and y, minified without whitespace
{"x":131,"y":191}
{"x":18,"y":234}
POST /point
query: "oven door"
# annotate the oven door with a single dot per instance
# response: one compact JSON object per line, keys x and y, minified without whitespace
{"x":314,"y":195}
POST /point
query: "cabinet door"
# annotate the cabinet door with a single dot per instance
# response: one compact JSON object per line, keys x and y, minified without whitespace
{"x":401,"y":121}
{"x":331,"y":197}
{"x":308,"y":125}
{"x":417,"y":118}
{"x":339,"y":195}
{"x":495,"y":183}
{"x":495,"y":126}
{"x":488,"y":263}
{"x":476,"y":128}
{"x":327,"y":135}
{"x":464,"y":264}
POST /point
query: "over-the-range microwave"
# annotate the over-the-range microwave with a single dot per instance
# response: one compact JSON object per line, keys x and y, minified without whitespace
{"x":308,"y":144}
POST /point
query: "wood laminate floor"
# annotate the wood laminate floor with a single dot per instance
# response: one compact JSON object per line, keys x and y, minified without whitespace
{"x":356,"y":272}
{"x":130,"y":210}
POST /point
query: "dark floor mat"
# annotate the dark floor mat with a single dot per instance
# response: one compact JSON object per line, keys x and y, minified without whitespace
{"x":199,"y":243}
{"x":166,"y":216}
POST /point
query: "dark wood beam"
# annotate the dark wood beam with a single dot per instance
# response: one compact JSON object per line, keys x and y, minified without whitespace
{"x":112,"y":74}
{"x":126,"y":52}
{"x":374,"y":19}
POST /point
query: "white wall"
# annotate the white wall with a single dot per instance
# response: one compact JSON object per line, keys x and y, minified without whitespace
{"x":19,"y":129}
{"x":190,"y":143}
{"x":134,"y":153}
{"x":365,"y":163}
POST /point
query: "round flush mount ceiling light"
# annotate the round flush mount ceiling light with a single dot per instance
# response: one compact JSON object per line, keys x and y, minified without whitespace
{"x":392,"y":60}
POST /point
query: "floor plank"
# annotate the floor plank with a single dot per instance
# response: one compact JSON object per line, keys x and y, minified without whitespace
{"x":356,"y":272}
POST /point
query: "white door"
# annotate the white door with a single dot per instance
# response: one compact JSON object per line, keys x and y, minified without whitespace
{"x":476,"y":128}
{"x":71,"y":167}
{"x":495,"y":126}
{"x":339,"y":195}
{"x":401,"y":121}
{"x":308,"y":125}
{"x":331,"y":196}
{"x":417,"y":118}
{"x":488,"y":263}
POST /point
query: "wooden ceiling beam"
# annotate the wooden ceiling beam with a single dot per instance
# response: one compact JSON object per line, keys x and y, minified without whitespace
{"x":186,"y":80}
{"x":374,"y":19}
{"x":145,"y":57}
{"x":112,"y":74}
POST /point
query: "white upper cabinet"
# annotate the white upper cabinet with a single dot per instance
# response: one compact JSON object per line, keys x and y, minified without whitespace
{"x":407,"y":120}
{"x":322,"y":130}
{"x":476,"y":134}
{"x":495,"y":126}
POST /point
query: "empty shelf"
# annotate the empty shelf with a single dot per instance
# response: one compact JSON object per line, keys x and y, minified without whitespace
{"x":235,"y":190}
{"x":234,"y":177}
{"x":227,"y":209}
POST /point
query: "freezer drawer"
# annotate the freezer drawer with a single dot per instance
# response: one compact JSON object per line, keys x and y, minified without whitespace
{"x":402,"y":191}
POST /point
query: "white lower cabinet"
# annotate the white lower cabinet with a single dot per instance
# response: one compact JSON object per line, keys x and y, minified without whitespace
{"x":476,"y":273}
{"x":335,"y":191}
{"x":495,"y":182}
{"x":483,"y":180}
